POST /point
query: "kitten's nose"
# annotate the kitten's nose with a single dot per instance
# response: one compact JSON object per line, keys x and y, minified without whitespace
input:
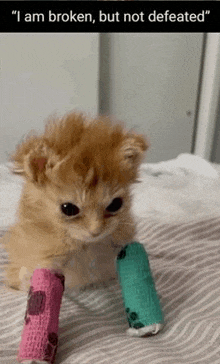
{"x":95,"y":233}
{"x":95,"y":230}
{"x":94,"y":225}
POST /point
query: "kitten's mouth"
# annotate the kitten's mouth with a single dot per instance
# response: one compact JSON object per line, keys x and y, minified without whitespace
{"x":96,"y":239}
{"x":86,"y":239}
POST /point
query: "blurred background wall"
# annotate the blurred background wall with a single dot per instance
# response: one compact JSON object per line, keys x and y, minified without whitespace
{"x":42,"y":74}
{"x":151,"y":81}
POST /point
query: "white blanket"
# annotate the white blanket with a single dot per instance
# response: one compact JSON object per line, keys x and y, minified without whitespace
{"x":181,"y":189}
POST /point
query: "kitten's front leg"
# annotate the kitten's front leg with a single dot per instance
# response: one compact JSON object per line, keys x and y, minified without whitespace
{"x":24,"y":277}
{"x":25,"y":274}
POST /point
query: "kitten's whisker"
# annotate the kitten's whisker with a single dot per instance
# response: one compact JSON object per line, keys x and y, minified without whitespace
{"x":125,"y":223}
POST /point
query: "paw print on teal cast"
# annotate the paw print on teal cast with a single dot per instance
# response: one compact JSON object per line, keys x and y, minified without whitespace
{"x":133,"y":319}
{"x":122,"y":253}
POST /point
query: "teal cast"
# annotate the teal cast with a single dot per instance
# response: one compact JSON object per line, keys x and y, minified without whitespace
{"x":142,"y":305}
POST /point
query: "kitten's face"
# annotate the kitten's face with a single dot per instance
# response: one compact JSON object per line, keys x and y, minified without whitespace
{"x":89,"y":214}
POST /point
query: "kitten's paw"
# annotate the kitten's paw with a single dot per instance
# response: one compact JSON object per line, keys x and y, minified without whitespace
{"x":144,"y":331}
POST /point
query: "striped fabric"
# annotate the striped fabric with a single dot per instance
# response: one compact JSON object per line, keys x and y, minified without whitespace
{"x":185,"y":261}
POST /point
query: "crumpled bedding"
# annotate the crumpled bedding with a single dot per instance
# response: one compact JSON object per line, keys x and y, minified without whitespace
{"x":177,"y":208}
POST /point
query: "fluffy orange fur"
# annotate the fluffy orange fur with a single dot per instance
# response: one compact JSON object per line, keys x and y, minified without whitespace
{"x":87,"y":163}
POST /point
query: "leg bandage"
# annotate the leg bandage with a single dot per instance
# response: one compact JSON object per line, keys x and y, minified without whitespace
{"x":40,"y":332}
{"x":142,"y":305}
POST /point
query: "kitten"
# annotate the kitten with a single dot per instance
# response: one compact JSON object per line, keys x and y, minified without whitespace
{"x":75,"y":206}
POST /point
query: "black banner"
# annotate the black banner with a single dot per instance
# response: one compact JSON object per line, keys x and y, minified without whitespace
{"x":109,"y":16}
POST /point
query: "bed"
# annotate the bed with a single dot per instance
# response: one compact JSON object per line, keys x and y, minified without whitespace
{"x":176,"y":205}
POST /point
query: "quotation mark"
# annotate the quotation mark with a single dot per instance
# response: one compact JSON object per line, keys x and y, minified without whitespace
{"x":16,"y":12}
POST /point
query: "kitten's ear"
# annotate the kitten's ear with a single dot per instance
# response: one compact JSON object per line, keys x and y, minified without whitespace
{"x":34,"y":159}
{"x":132,"y":150}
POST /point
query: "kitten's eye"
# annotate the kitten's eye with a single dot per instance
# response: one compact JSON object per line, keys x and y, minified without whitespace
{"x":115,"y":205}
{"x":69,"y":209}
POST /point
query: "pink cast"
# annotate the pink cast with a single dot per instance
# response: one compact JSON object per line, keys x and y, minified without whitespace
{"x":40,"y":331}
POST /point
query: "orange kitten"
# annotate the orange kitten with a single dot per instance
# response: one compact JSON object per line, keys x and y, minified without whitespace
{"x":75,"y":205}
